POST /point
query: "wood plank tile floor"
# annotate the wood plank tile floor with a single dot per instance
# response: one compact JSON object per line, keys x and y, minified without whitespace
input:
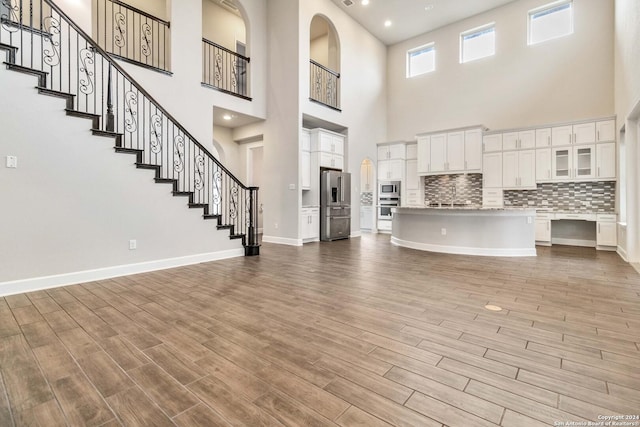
{"x":354,"y":332}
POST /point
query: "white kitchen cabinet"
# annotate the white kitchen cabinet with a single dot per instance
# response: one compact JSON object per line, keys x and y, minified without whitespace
{"x":438,"y":149}
{"x":330,"y":148}
{"x":473,"y":150}
{"x":543,"y":230}
{"x":413,"y":180}
{"x":518,"y":169}
{"x":573,"y":163}
{"x":310,"y":221}
{"x":518,"y":140}
{"x":366,"y":217}
{"x":333,"y":161}
{"x":606,"y":160}
{"x":606,"y":131}
{"x":305,"y":160}
{"x":607,"y":230}
{"x":392,"y":151}
{"x":582,"y":133}
{"x":455,"y":151}
{"x":492,"y":170}
{"x":543,"y":164}
{"x":492,"y":197}
{"x":391,"y":170}
{"x":562,"y":135}
{"x":492,"y":142}
{"x":412,"y":151}
{"x":384,"y":226}
{"x":543,"y":137}
{"x":424,"y":155}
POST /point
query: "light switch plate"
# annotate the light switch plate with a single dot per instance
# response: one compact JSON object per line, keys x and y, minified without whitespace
{"x":12,"y":162}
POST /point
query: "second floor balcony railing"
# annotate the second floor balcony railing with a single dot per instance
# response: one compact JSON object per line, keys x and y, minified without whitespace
{"x":132,"y":34}
{"x":224,"y":70}
{"x":324,"y":85}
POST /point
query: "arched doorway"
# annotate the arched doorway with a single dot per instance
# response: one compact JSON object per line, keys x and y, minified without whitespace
{"x":225,"y":53}
{"x":324,"y":55}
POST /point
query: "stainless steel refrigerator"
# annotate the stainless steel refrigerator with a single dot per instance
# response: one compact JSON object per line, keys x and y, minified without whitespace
{"x":335,"y":205}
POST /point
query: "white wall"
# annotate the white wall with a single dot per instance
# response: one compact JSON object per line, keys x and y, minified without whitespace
{"x":560,"y":80}
{"x":73,"y":204}
{"x":627,"y":101}
{"x":319,"y":50}
{"x":221,"y":26}
{"x":363,"y":87}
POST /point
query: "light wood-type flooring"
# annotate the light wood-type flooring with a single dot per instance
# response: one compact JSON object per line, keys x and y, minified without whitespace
{"x":349,"y":333}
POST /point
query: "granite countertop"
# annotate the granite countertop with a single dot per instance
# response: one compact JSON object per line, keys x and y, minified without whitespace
{"x":469,"y":208}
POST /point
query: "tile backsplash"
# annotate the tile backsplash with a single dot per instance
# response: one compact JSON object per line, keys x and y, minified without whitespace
{"x":567,"y":196}
{"x":440,"y":188}
{"x":559,"y":196}
{"x":366,"y":198}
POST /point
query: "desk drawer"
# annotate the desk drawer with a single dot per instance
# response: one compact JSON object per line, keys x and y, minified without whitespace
{"x":607,"y":217}
{"x":578,"y":216}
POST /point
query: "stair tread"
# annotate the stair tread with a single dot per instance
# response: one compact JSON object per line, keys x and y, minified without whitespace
{"x":55,"y":92}
{"x":26,"y":69}
{"x":100,"y":132}
{"x":81,"y":113}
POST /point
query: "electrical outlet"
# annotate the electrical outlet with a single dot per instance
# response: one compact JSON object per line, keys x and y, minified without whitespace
{"x":133,"y":245}
{"x":12,"y":162}
{"x":529,"y":220}
{"x":443,"y":231}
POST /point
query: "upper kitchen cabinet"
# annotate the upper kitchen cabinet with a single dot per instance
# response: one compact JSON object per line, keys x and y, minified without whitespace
{"x":492,"y":174}
{"x":412,"y":151}
{"x":519,"y":140}
{"x":518,"y":170}
{"x":581,"y":133}
{"x":391,"y":161}
{"x":330,"y":148}
{"x":305,"y":160}
{"x":458,"y":151}
{"x":606,"y":160}
{"x":606,"y":131}
{"x":573,"y":163}
{"x":492,"y":142}
{"x":392,"y":152}
{"x":543,"y":137}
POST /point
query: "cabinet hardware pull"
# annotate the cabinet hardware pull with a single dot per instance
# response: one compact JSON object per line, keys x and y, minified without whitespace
{"x":598,"y":171}
{"x":548,"y":140}
{"x":599,"y":227}
{"x":598,"y":135}
{"x":465,"y":164}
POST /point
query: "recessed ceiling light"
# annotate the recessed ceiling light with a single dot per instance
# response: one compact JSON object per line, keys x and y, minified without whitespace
{"x":387,"y":23}
{"x":365,"y":2}
{"x":227,"y":117}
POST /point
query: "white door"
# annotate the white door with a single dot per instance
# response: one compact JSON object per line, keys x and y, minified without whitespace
{"x":510,"y":141}
{"x":397,"y":151}
{"x":492,"y":170}
{"x":413,"y":181}
{"x":424,"y":154}
{"x":383,"y":152}
{"x":606,"y":234}
{"x":527,"y":169}
{"x":438,"y":152}
{"x":584,"y":133}
{"x":561,"y":163}
{"x":526,"y":139}
{"x":543,"y":137}
{"x":543,"y":230}
{"x":384,"y":170}
{"x":606,"y":130}
{"x":492,"y":142}
{"x":606,"y":160}
{"x":396,"y":170}
{"x":510,"y":169}
{"x":562,"y":135}
{"x":584,"y":161}
{"x":543,"y":164}
{"x":473,"y":150}
{"x":455,"y":151}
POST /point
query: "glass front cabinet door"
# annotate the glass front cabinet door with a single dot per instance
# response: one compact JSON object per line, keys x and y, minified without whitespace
{"x":562,"y":163}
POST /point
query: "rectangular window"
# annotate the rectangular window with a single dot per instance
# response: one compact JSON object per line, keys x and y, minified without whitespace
{"x":551,"y":21}
{"x":421,"y":60}
{"x":478,"y":43}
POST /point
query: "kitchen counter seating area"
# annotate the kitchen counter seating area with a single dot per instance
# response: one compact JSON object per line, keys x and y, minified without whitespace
{"x":466,"y":230}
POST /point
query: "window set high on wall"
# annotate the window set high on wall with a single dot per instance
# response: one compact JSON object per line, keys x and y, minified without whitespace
{"x":544,"y":23}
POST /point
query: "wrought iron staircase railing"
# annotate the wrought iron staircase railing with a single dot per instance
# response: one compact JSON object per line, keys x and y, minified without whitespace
{"x":324,"y":85}
{"x":132,"y":34}
{"x":224,"y":70}
{"x":41,"y":39}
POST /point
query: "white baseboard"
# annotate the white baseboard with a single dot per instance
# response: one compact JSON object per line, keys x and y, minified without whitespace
{"x":623,"y":253}
{"x":47,"y":282}
{"x":462,"y":250}
{"x":282,"y":240}
{"x":357,"y":233}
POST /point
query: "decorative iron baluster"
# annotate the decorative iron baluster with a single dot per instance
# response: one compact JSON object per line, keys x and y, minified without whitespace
{"x":86,"y":82}
{"x":233,"y":198}
{"x":318,"y":85}
{"x":217,"y":193}
{"x":145,"y":44}
{"x":218,"y":73}
{"x":234,"y":76}
{"x":198,"y":180}
{"x":51,"y":53}
{"x":156,"y":133}
{"x":130,"y":121}
{"x":10,"y":19}
{"x":120,"y":30}
{"x":178,"y":151}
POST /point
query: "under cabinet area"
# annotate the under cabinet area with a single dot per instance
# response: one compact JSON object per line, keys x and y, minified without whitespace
{"x":578,"y":229}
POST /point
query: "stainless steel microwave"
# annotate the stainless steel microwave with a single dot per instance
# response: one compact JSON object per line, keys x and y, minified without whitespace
{"x":389,"y":189}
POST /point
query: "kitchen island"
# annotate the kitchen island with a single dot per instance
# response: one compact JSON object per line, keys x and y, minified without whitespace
{"x":466,"y":230}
